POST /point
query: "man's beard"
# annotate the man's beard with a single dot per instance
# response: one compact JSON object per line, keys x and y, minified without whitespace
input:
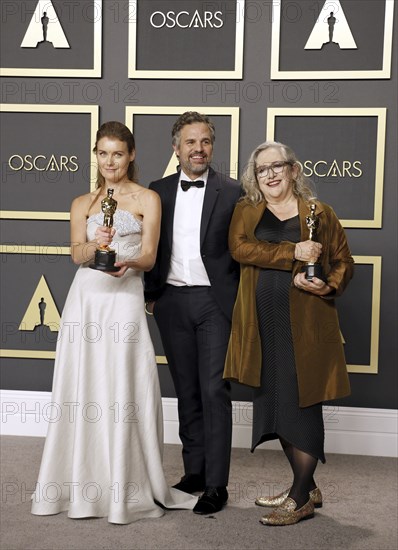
{"x":198,"y":170}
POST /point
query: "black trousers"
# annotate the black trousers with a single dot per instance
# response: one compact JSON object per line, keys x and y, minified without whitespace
{"x":195,"y":334}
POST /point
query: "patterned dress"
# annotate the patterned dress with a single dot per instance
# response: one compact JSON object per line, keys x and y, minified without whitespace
{"x":276,"y":412}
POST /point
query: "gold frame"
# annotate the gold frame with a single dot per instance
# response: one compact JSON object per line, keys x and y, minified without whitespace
{"x":31,"y":249}
{"x":233,"y":112}
{"x":95,"y":72}
{"x":385,"y":72}
{"x":44,"y":250}
{"x":35,"y":249}
{"x":373,"y":367}
{"x":235,"y":74}
{"x":93,"y":110}
{"x":381,"y":114}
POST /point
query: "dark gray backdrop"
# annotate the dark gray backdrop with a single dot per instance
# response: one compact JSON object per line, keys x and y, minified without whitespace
{"x":114,"y":91}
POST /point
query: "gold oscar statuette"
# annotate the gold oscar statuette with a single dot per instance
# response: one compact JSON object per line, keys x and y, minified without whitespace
{"x":105,"y":256}
{"x":312,"y":269}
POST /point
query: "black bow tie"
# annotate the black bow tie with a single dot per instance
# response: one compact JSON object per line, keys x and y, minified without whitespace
{"x":185,"y":185}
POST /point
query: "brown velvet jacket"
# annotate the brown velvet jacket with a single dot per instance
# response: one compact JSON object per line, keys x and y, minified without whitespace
{"x":319,"y":355}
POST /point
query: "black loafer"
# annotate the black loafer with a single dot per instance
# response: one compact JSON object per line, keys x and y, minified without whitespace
{"x":212,"y":500}
{"x":190,"y":483}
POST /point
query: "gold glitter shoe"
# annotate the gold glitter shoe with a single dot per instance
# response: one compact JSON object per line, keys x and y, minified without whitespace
{"x":273,"y":502}
{"x":286,"y":513}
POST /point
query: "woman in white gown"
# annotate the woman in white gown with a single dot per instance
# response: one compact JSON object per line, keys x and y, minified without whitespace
{"x":103,"y":452}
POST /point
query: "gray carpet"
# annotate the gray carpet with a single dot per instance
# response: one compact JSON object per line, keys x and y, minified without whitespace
{"x":360,"y":508}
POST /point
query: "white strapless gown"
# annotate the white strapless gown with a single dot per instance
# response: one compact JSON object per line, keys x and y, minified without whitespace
{"x":103,"y":452}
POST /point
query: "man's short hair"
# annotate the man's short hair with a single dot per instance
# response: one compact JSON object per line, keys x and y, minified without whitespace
{"x":190,"y":117}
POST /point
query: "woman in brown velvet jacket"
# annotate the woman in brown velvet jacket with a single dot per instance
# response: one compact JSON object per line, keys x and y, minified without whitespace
{"x":285,"y":338}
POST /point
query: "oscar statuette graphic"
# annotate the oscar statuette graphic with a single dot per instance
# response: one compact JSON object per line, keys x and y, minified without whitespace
{"x":312,"y":269}
{"x":104,"y":256}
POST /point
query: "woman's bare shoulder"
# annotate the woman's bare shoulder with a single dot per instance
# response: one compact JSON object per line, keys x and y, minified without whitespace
{"x":145,"y":195}
{"x":83,"y":202}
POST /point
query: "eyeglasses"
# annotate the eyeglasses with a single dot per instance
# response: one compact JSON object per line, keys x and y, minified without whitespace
{"x":276,"y":167}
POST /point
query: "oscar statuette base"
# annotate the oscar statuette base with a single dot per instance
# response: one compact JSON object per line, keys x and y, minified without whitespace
{"x":312,"y":270}
{"x":104,"y":261}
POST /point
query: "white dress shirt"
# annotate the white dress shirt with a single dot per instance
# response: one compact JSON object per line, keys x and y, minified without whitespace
{"x":186,"y":265}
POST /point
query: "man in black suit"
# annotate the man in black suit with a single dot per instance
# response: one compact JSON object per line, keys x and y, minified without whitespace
{"x":191,"y":291}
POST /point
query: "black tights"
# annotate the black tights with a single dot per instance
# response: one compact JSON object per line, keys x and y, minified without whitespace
{"x":303,"y":466}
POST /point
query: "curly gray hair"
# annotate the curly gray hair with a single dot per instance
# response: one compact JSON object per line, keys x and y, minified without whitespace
{"x":302,"y":186}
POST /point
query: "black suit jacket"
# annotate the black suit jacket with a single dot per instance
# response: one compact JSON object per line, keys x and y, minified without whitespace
{"x":221,"y":196}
